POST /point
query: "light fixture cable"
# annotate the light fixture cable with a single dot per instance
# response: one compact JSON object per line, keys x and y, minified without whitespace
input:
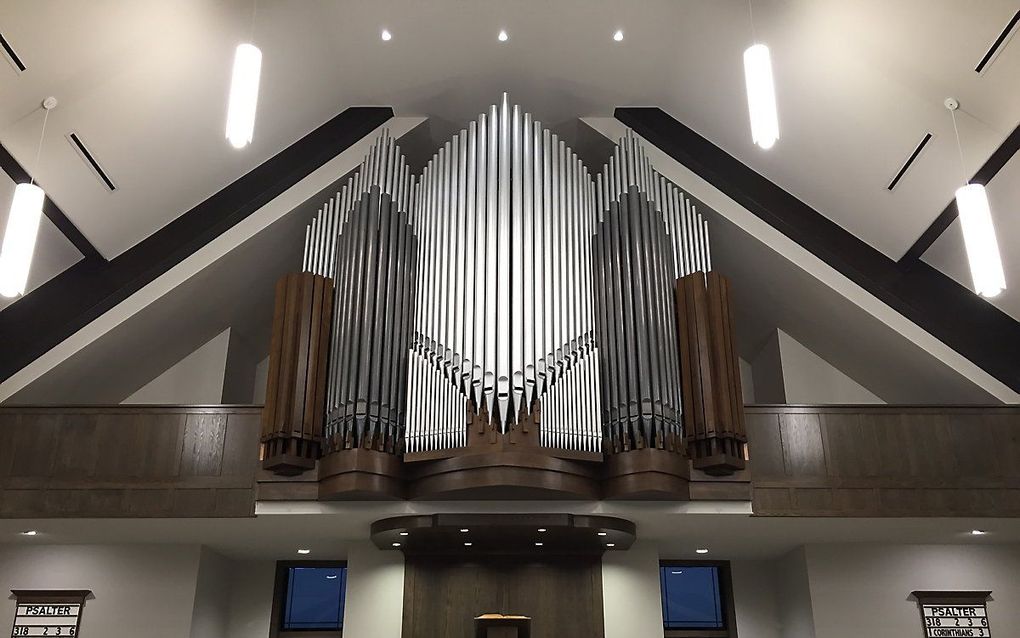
{"x":750,"y":14}
{"x":254,"y":12}
{"x":47,"y":106}
{"x":959,"y":145}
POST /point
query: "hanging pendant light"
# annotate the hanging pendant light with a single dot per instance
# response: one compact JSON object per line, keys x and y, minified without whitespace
{"x":244,"y":93}
{"x":761,"y":92}
{"x":978,"y":229}
{"x":23,"y":226}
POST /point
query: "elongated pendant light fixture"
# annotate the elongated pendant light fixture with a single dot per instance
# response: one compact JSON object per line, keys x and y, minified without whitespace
{"x":978,"y":229}
{"x":23,"y":225}
{"x":761,"y":91}
{"x":244,"y":92}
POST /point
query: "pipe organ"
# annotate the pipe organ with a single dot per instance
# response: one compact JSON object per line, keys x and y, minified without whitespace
{"x":363,"y":240}
{"x":648,"y":234}
{"x":510,"y":284}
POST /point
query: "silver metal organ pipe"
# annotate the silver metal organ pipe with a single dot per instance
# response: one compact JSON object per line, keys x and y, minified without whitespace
{"x":503,"y":243}
{"x":527,"y":270}
{"x":493,"y":290}
{"x":517,"y":276}
{"x":516,"y":241}
{"x":479,"y":291}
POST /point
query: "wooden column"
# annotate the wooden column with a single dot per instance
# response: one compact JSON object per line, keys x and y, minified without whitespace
{"x":713,"y":409}
{"x":292,"y":420}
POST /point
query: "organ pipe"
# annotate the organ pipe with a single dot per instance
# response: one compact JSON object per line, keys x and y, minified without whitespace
{"x":509,"y":280}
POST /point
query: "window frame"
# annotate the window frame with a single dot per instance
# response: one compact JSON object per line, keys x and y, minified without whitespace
{"x":276,"y":629}
{"x":726,"y":600}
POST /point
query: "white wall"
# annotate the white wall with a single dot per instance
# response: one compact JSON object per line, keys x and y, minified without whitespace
{"x":209,"y":618}
{"x":261,"y":377}
{"x":755,"y":600}
{"x":375,"y":593}
{"x":767,"y":372}
{"x":195,"y":379}
{"x":863,"y":590}
{"x":794,"y":609}
{"x":746,"y":381}
{"x":807,"y":378}
{"x":631,"y":597}
{"x":139,"y":590}
{"x":189,"y":591}
{"x":250,"y":604}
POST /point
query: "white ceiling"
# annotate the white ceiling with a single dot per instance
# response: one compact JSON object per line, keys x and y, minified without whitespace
{"x":144,"y":83}
{"x":676,"y":529}
{"x":948,"y":253}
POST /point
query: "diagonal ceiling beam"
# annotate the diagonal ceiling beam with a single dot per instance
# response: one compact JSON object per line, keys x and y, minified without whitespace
{"x":953,"y":314}
{"x":68,"y":302}
{"x":19,"y":175}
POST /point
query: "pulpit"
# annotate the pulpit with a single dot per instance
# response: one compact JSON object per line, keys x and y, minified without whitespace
{"x":501,"y":626}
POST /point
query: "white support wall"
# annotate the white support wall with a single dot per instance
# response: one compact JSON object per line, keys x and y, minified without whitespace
{"x":631,"y":599}
{"x":196,"y":379}
{"x":786,"y":371}
{"x":138,"y":590}
{"x":375,"y":592}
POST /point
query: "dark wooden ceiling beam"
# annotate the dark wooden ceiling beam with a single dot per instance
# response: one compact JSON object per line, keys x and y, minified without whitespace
{"x":19,"y":175}
{"x":80,"y":294}
{"x":952,"y":313}
{"x":984,"y":175}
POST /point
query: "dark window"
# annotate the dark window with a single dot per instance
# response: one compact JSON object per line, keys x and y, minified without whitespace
{"x":696,"y":599}
{"x":310,"y":598}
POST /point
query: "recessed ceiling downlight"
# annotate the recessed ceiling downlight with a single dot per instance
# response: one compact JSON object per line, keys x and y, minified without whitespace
{"x":304,"y":551}
{"x":503,"y":36}
{"x":386,"y":35}
{"x":618,"y":36}
{"x":701,"y":550}
{"x":29,"y":532}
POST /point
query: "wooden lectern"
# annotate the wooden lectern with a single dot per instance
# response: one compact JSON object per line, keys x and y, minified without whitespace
{"x":500,"y":626}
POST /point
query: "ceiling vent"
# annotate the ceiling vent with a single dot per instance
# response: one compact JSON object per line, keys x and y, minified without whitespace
{"x":86,"y":155}
{"x":11,"y":55}
{"x":910,"y":160}
{"x":999,"y":43}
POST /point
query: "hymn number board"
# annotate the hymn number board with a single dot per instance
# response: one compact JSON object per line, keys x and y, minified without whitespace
{"x":954,"y":614}
{"x":48,"y":613}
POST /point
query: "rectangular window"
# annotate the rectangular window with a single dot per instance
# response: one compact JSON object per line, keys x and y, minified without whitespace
{"x":696,"y":599}
{"x":309,"y":598}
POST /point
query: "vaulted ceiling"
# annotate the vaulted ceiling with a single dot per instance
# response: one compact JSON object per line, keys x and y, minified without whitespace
{"x":144,"y":85}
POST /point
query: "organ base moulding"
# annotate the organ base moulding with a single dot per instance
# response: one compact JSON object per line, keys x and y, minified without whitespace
{"x":511,"y":465}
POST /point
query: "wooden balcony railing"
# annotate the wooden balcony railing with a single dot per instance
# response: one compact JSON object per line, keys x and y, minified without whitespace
{"x":885,"y":460}
{"x":128,"y":461}
{"x":196,"y":461}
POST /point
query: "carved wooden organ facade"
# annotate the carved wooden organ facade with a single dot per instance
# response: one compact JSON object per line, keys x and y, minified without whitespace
{"x":506,"y":321}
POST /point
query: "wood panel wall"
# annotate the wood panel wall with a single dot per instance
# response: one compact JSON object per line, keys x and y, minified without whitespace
{"x":120,"y":461}
{"x":885,"y":460}
{"x":443,"y":596}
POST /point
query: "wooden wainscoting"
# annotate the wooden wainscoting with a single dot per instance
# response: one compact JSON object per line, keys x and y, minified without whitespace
{"x":885,"y":460}
{"x":128,"y":461}
{"x":442,"y":596}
